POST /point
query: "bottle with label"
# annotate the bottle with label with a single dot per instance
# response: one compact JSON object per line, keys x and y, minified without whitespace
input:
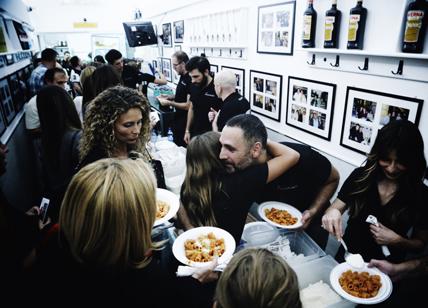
{"x":415,"y":26}
{"x":170,"y":135}
{"x":309,"y":26}
{"x":357,"y":25}
{"x":332,"y":26}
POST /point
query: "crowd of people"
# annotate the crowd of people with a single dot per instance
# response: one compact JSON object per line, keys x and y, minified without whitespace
{"x":101,"y":179}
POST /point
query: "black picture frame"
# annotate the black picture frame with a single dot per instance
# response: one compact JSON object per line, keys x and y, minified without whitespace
{"x":178,"y":31}
{"x":240,"y":78}
{"x":214,"y":68}
{"x":266,"y":94}
{"x":275,"y":28}
{"x":166,"y":68}
{"x":366,"y":111}
{"x":310,"y":106}
{"x":6,"y":101}
{"x":166,"y":35}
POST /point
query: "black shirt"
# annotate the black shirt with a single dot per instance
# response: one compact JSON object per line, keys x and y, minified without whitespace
{"x":299,"y":185}
{"x":409,"y":209}
{"x":203,"y":99}
{"x":233,"y":105}
{"x":131,"y":76}
{"x":239,"y":191}
{"x":183,"y":89}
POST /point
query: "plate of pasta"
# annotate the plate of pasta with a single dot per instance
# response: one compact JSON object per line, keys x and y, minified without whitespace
{"x":280,"y":215}
{"x":361,"y":286}
{"x":198,"y":247}
{"x":167,"y":204}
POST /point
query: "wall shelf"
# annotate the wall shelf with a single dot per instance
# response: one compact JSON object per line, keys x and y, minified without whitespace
{"x":422,"y":56}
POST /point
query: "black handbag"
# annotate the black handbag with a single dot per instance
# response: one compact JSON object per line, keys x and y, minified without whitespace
{"x":158,"y":169}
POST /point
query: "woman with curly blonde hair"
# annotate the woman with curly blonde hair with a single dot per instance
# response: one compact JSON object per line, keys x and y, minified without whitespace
{"x":117,"y":122}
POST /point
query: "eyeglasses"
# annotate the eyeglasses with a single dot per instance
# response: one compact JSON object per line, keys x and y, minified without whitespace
{"x":176,"y":64}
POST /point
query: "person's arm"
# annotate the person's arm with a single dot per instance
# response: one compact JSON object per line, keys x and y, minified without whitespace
{"x":385,"y":236}
{"x":214,"y":122}
{"x":322,"y":198}
{"x":161,"y":80}
{"x":188,"y":123}
{"x":184,"y":219}
{"x":407,"y":269}
{"x":332,"y":219}
{"x":283,"y":158}
{"x":167,"y":102}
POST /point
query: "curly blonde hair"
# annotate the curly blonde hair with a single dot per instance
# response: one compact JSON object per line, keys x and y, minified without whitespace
{"x":103,"y":112}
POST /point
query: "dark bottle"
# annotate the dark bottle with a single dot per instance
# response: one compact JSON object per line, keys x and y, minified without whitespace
{"x":332,"y":26}
{"x":415,"y":27}
{"x":309,"y":25}
{"x":357,"y":25}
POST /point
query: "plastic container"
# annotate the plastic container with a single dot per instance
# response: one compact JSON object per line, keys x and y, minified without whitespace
{"x":301,"y":243}
{"x":319,"y":269}
{"x":259,"y":233}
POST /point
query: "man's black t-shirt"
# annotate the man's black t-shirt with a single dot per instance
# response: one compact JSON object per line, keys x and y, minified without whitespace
{"x":203,"y":99}
{"x":183,"y":89}
{"x":299,"y":185}
{"x":233,"y":105}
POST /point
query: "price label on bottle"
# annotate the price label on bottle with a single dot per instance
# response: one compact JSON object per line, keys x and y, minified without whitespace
{"x":328,"y":28}
{"x":413,"y":26}
{"x":307,"y":21}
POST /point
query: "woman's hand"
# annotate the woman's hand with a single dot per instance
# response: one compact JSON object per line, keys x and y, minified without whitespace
{"x":383,"y":235}
{"x":332,"y":222}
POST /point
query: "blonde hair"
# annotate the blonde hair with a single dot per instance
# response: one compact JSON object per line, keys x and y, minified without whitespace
{"x":103,"y":112}
{"x":86,"y":73}
{"x":225,"y":79}
{"x":108,"y":213}
{"x":257,"y":278}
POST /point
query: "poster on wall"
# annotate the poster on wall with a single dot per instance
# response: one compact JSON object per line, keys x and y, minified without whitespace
{"x":240,"y":78}
{"x":310,"y":106}
{"x":367,"y":111}
{"x":178,"y":31}
{"x":275,"y":28}
{"x":167,"y":37}
{"x":166,"y":68}
{"x":265,"y":94}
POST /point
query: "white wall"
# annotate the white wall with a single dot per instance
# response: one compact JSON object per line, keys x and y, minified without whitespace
{"x":377,"y":40}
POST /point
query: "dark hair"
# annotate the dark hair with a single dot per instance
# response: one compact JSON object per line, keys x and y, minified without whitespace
{"x":100,"y":59}
{"x":49,"y":55}
{"x":252,"y":127}
{"x":404,"y":138}
{"x":74,"y":61}
{"x":50,"y":74}
{"x":200,"y":63}
{"x":181,"y":56}
{"x":58,"y":115}
{"x":113,"y":55}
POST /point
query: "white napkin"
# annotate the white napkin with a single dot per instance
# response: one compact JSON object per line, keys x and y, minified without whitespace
{"x":190,"y":271}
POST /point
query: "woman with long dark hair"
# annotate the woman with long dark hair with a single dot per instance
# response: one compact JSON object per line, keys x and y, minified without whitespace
{"x":390,"y":187}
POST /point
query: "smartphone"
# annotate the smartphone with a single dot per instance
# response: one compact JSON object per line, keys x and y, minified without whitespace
{"x":44,"y":205}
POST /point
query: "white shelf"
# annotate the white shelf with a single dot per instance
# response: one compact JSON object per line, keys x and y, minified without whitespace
{"x":422,"y":56}
{"x":10,"y":69}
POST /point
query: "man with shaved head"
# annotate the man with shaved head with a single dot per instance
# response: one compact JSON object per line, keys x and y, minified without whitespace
{"x":233,"y":102}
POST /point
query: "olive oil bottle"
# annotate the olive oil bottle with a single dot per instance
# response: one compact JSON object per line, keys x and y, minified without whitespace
{"x":415,"y":27}
{"x":332,"y":26}
{"x":309,"y":26}
{"x":357,"y":25}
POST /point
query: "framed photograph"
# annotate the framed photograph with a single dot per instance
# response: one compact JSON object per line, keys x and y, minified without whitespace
{"x":177,"y":47}
{"x":178,"y":31}
{"x":6,"y":102}
{"x":367,"y":111}
{"x":167,"y":35}
{"x":310,"y":106}
{"x":166,"y":68}
{"x":214,"y":68}
{"x":265,"y":94}
{"x":275,"y":28}
{"x":240,"y":78}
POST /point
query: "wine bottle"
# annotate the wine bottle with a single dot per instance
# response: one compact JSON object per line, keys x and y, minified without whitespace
{"x":332,"y":26}
{"x":357,"y":25}
{"x":309,"y":25}
{"x":415,"y":27}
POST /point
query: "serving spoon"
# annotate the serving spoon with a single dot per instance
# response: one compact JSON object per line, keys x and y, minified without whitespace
{"x":353,"y":259}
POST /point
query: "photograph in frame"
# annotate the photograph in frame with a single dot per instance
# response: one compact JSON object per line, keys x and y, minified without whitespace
{"x":214,"y":68}
{"x":265,"y":94}
{"x":167,"y":36}
{"x":178,"y":31}
{"x":240,"y":78}
{"x":367,"y":111}
{"x":166,"y":68}
{"x":275,"y":28}
{"x":310,"y":106}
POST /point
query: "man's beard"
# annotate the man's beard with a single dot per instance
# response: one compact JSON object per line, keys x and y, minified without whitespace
{"x":203,"y":83}
{"x":246,"y":162}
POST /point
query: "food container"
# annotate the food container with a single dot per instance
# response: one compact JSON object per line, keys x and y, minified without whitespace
{"x":318,"y":269}
{"x":301,"y":243}
{"x":259,"y":233}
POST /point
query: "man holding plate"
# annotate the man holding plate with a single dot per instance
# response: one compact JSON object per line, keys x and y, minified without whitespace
{"x":308,"y":186}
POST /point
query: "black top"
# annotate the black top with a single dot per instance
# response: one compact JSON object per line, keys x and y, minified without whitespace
{"x":233,"y":105}
{"x":203,"y":99}
{"x":131,"y":76}
{"x":239,"y":191}
{"x":299,"y":185}
{"x":410,"y":210}
{"x":183,"y":89}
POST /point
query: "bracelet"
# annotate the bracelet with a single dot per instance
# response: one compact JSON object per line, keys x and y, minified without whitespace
{"x":187,"y":131}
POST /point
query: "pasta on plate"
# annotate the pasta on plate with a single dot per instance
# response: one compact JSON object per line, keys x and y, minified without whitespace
{"x":162,"y":209}
{"x":281,"y":217}
{"x":204,"y":248}
{"x":360,"y":284}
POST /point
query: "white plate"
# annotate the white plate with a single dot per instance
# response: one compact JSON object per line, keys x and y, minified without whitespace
{"x":384,"y":291}
{"x":280,"y":206}
{"x":178,"y":246}
{"x":172,"y":200}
